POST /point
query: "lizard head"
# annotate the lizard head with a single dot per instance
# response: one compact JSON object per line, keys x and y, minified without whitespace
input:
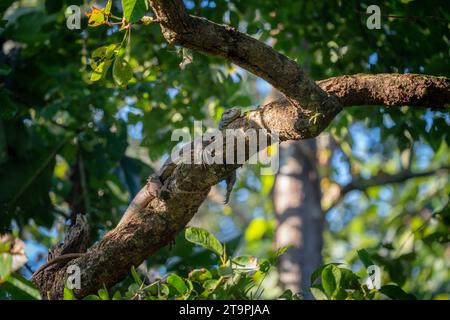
{"x":229,"y":116}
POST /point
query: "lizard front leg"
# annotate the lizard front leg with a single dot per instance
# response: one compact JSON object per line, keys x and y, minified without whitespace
{"x":230,"y":181}
{"x":150,"y":191}
{"x":228,"y":117}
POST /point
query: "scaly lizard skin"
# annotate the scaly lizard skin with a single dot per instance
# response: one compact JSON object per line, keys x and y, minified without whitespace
{"x":65,"y":257}
{"x":153,"y":188}
{"x":228,"y":117}
{"x":140,"y":201}
{"x":143,"y":198}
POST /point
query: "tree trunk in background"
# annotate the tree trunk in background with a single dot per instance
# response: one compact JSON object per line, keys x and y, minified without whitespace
{"x":296,"y":197}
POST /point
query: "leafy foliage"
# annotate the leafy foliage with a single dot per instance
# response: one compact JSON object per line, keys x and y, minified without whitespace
{"x":12,"y":283}
{"x":333,"y":282}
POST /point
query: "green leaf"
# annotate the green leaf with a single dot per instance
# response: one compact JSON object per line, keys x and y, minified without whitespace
{"x":205,"y":239}
{"x":287,"y":294}
{"x":103,"y":294}
{"x":134,"y":10}
{"x":178,"y":283}
{"x":28,"y":183}
{"x":133,"y":288}
{"x":163,"y":291}
{"x":331,"y":279}
{"x":234,"y":19}
{"x":318,"y":294}
{"x":340,"y":294}
{"x":105,"y":51}
{"x":396,"y":293}
{"x":281,"y":250}
{"x":4,"y":4}
{"x":349,"y":280}
{"x":5,"y":69}
{"x":158,"y":289}
{"x":211,"y":285}
{"x":136,"y":277}
{"x":318,"y":272}
{"x":107,"y":9}
{"x":92,"y":297}
{"x":189,"y":285}
{"x":273,"y":256}
{"x":101,"y":70}
{"x":122,"y":72}
{"x":365,"y":258}
{"x":153,"y":289}
{"x":8,"y":108}
{"x":265,"y":266}
{"x":225,"y":270}
{"x":68,"y":294}
{"x":6,"y":261}
{"x":200,"y":275}
{"x":22,"y":288}
{"x":53,"y":6}
{"x":245,"y":264}
{"x":97,"y":17}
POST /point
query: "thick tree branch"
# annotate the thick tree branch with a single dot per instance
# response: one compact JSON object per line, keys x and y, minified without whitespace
{"x":390,"y":90}
{"x":199,"y":34}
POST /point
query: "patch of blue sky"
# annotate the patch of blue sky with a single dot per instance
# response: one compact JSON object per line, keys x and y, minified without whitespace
{"x":334,"y":219}
{"x":242,"y":195}
{"x":252,"y":181}
{"x":172,"y":261}
{"x":208,"y":4}
{"x":363,"y":140}
{"x":386,"y":193}
{"x":236,"y":76}
{"x":134,"y":130}
{"x":189,"y":4}
{"x":428,"y":117}
{"x":112,"y":30}
{"x":387,"y":121}
{"x":341,"y":173}
{"x":424,"y":154}
{"x":383,"y":209}
{"x":258,"y":212}
{"x":263,"y":87}
{"x":35,"y":251}
{"x":172,"y":92}
{"x":228,"y":229}
{"x":373,"y":58}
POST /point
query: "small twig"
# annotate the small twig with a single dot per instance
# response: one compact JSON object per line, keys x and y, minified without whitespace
{"x":364,"y":184}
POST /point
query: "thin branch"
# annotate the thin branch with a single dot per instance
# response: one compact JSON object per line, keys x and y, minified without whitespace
{"x":361,"y":184}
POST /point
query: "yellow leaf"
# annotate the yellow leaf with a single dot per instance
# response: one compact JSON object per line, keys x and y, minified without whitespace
{"x":100,"y":70}
{"x":107,"y":9}
{"x":256,"y":229}
{"x":96,"y":17}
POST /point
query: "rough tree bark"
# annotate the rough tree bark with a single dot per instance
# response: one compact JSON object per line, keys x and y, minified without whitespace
{"x":307,"y":109}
